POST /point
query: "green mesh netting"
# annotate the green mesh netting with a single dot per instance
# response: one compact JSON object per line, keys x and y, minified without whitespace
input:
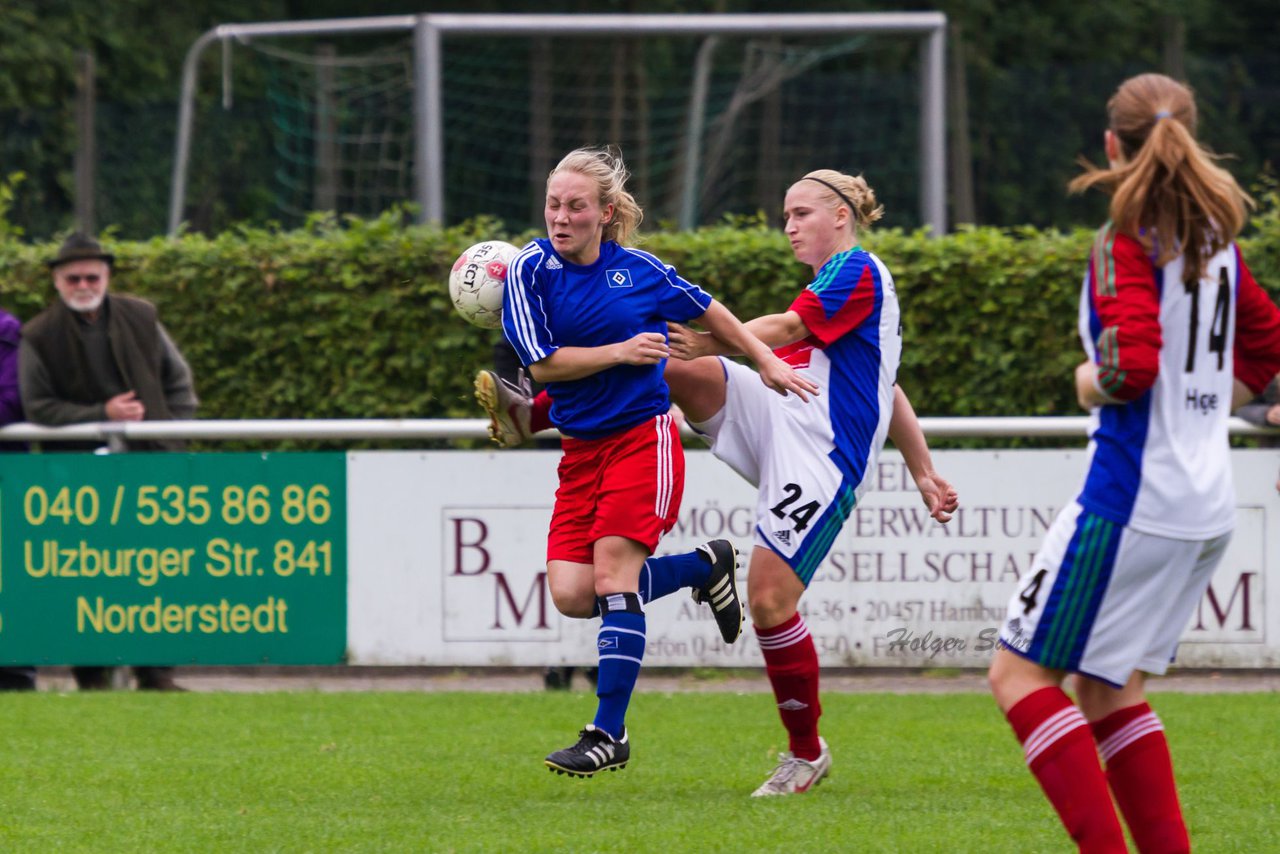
{"x":343,"y":125}
{"x":342,"y":128}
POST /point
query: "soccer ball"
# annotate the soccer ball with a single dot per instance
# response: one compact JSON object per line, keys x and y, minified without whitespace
{"x":477,"y":281}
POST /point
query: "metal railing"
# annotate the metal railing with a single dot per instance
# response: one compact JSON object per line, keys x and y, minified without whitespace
{"x":116,"y":434}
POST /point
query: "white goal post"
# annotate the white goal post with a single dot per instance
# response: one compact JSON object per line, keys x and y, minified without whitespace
{"x":429,"y":31}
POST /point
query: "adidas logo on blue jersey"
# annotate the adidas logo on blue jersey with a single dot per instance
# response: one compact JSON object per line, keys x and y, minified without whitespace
{"x":554,"y":264}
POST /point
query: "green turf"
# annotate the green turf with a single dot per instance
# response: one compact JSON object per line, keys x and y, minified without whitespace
{"x":463,"y":772}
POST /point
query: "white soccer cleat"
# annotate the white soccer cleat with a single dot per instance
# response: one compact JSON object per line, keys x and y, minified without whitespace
{"x":795,"y":776}
{"x":508,"y":406}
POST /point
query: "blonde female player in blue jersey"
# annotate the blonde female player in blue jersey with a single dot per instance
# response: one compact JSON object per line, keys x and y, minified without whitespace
{"x":588,"y":317}
{"x":811,"y":462}
{"x":1169,"y":317}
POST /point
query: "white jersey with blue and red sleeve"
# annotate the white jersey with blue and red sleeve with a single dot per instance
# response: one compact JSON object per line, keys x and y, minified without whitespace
{"x":852,"y":352}
{"x":1167,"y":353}
{"x":550,"y":303}
{"x":812,"y":461}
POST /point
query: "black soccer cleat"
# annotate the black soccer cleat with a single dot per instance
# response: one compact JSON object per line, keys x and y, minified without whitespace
{"x":596,"y":750}
{"x":721,"y":589}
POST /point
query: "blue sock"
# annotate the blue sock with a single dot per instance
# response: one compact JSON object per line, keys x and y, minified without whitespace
{"x":621,"y":648}
{"x":662,"y":576}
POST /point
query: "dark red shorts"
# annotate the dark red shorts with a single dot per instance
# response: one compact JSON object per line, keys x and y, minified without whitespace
{"x":625,"y":485}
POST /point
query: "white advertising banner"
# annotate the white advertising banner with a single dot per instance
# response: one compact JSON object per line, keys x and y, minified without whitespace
{"x":446,"y":557}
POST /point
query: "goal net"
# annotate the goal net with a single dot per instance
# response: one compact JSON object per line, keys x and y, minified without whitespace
{"x":773,"y":110}
{"x":709,"y":125}
{"x":341,"y":126}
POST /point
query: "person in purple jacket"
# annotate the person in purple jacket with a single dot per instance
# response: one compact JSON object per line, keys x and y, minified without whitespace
{"x":12,"y":678}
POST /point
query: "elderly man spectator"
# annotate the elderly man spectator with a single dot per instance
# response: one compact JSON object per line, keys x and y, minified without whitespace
{"x":94,"y":356}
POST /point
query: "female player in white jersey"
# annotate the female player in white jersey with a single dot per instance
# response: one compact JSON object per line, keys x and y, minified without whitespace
{"x":812,"y":461}
{"x":588,"y":317}
{"x":1169,"y":317}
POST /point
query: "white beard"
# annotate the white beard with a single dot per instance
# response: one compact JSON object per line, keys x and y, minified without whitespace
{"x":85,"y":305}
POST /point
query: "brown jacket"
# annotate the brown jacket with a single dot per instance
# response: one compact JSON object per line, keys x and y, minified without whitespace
{"x":58,"y":383}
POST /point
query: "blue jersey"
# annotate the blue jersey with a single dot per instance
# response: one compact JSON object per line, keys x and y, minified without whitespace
{"x":550,"y":303}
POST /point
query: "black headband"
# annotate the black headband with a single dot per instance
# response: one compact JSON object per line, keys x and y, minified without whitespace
{"x":853,"y":209}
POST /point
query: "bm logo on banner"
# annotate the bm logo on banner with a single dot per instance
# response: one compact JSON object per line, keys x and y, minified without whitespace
{"x":495,"y":575}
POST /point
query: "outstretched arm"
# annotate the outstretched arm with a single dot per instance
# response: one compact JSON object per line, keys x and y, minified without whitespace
{"x":904,"y":429}
{"x":733,"y":335}
{"x":775,"y":330}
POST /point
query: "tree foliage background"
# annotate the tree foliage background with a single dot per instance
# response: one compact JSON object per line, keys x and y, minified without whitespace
{"x":329,"y":319}
{"x":1036,"y":75}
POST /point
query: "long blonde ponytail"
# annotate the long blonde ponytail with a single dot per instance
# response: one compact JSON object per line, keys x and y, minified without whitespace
{"x":1168,"y":193}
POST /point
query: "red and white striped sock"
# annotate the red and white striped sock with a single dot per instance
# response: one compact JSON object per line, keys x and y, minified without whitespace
{"x":1060,"y":752}
{"x":1140,"y":772}
{"x":791,"y":661}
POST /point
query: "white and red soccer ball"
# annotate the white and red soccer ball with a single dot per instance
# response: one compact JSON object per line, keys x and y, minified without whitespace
{"x":477,"y":282}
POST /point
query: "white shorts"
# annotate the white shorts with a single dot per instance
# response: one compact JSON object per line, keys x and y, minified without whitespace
{"x":1105,"y":600}
{"x":784,"y":446}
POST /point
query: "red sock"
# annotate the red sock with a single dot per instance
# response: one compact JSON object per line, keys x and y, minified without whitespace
{"x":791,"y":661}
{"x":540,"y":413}
{"x":1061,"y":754}
{"x":1140,"y":772}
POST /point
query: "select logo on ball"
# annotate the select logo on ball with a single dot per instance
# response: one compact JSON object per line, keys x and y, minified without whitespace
{"x":477,"y":282}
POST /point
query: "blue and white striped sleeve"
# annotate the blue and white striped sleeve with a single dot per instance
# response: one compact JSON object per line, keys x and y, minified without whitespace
{"x":524,"y":316}
{"x":682,"y":300}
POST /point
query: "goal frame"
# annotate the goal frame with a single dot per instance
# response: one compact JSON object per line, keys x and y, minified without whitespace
{"x":429,"y":31}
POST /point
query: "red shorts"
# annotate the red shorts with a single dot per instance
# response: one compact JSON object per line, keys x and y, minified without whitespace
{"x":625,"y":485}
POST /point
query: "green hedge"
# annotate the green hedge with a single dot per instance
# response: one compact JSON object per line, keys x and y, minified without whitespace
{"x":352,"y":319}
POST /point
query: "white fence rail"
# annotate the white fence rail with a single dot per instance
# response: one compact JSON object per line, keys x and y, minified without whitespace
{"x":355,"y":429}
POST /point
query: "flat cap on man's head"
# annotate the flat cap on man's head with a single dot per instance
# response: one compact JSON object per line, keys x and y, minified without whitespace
{"x":80,"y":247}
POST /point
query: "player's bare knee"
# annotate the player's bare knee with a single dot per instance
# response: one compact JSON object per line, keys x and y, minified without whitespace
{"x":697,"y":387}
{"x":576,"y":603}
{"x":573,"y":594}
{"x":769,"y":607}
{"x":1095,"y":699}
{"x":1099,"y":699}
{"x":996,"y":673}
{"x":1011,"y":678}
{"x":607,"y":577}
{"x":681,"y":377}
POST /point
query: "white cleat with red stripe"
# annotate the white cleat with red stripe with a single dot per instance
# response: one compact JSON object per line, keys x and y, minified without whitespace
{"x":795,"y":776}
{"x":508,"y":406}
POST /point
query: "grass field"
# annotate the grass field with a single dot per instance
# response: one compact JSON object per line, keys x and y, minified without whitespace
{"x":463,"y":772}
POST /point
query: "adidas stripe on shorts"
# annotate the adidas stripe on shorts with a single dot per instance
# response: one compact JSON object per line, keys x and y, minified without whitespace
{"x":1104,"y":600}
{"x":627,"y":485}
{"x":783,"y":446}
